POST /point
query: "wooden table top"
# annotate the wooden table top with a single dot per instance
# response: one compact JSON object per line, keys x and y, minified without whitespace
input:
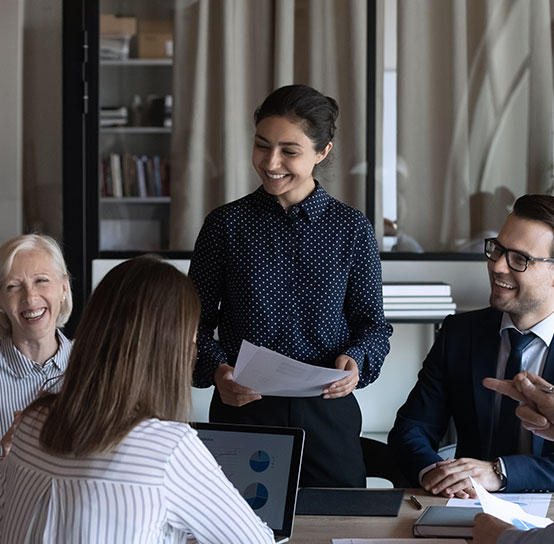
{"x":321,"y":529}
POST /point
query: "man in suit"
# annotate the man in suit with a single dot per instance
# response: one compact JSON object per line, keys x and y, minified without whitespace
{"x":494,"y":450}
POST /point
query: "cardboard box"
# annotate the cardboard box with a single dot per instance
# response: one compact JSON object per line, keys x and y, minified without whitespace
{"x":115,"y":25}
{"x":155,"y":39}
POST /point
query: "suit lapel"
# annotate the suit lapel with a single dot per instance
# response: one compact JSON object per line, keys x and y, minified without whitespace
{"x":485,"y":341}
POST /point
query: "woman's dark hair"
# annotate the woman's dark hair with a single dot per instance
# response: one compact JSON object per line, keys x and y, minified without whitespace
{"x":315,"y":112}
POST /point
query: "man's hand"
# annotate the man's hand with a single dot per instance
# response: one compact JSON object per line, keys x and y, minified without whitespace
{"x":487,"y":529}
{"x":7,"y":439}
{"x":231,"y":392}
{"x":343,"y":387}
{"x":537,"y":410}
{"x":450,"y":478}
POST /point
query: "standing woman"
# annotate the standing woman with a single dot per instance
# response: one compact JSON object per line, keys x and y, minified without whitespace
{"x":110,"y":458}
{"x":35,"y":302}
{"x":290,"y":268}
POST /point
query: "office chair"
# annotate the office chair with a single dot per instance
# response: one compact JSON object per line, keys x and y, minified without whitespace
{"x":379,"y":462}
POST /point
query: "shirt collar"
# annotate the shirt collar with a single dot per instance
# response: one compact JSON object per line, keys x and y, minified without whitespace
{"x":21,"y":365}
{"x":313,"y":205}
{"x":544,"y":329}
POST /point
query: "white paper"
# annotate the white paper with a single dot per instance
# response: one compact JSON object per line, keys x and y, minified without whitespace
{"x":532,"y":503}
{"x":507,"y":511}
{"x":269,"y":373}
{"x":398,"y":541}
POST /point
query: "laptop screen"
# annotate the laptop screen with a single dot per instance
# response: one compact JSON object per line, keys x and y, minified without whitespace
{"x":263,"y":463}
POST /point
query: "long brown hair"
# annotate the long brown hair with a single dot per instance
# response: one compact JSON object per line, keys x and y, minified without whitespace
{"x":132,"y":359}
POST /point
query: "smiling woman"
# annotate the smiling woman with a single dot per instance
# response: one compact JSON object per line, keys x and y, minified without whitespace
{"x":292,"y":269}
{"x":35,"y":301}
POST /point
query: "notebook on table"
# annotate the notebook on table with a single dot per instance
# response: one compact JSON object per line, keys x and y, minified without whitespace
{"x":263,"y":463}
{"x":446,"y":521}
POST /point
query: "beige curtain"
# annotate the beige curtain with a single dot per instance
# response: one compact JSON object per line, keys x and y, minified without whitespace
{"x":229,"y":54}
{"x":474,"y":115}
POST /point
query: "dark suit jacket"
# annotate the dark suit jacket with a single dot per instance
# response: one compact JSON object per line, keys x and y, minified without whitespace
{"x":450,"y":385}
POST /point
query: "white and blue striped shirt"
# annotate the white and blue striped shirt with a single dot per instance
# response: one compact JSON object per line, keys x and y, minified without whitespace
{"x":21,"y":378}
{"x":158,"y":485}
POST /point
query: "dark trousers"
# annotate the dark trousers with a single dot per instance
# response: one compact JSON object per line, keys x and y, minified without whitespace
{"x":332,"y":450}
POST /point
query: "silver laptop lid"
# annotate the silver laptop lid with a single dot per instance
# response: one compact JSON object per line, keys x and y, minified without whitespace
{"x":263,"y":463}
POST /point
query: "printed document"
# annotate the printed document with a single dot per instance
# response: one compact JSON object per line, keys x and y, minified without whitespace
{"x":532,"y":503}
{"x":507,"y":511}
{"x":270,"y":373}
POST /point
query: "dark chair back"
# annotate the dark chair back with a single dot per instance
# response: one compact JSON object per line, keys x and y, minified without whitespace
{"x":379,"y":462}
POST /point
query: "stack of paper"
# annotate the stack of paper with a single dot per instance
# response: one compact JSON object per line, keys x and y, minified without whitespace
{"x":407,"y":300}
{"x":270,"y":373}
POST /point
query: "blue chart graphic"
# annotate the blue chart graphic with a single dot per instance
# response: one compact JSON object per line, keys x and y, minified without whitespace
{"x":256,"y":495}
{"x":259,"y":461}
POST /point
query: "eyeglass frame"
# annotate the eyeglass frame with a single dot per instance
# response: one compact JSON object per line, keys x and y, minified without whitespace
{"x":505,"y":251}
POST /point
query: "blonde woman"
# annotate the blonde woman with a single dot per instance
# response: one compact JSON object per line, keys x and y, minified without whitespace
{"x":110,"y":458}
{"x":35,"y":302}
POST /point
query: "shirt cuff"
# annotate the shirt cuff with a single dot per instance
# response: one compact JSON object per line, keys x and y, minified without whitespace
{"x":424,"y":471}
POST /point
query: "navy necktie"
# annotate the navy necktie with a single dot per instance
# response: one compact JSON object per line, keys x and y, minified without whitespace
{"x":506,"y":437}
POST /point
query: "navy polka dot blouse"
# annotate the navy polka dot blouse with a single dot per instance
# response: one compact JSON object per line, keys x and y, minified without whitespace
{"x":304,"y":282}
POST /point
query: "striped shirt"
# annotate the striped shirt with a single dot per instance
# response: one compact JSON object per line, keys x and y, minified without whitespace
{"x":158,"y":485}
{"x":21,"y":378}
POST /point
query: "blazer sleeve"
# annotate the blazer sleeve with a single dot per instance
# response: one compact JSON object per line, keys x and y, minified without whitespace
{"x":422,"y":421}
{"x":534,"y":536}
{"x":530,"y":473}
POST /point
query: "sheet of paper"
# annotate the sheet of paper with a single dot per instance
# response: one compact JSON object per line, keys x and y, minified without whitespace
{"x":270,"y":373}
{"x":398,"y":541}
{"x":507,"y":511}
{"x":532,"y":503}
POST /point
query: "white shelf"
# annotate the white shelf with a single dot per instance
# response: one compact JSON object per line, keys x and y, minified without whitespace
{"x":135,"y":130}
{"x":135,"y":200}
{"x":137,"y":62}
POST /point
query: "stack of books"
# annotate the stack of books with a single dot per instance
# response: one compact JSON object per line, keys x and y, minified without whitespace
{"x":117,"y":116}
{"x":417,"y":300}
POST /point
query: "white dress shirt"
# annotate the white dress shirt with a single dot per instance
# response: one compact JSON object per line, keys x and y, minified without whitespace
{"x":21,"y":378}
{"x":158,"y":485}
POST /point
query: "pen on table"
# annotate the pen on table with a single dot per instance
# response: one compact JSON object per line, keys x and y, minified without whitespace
{"x":415,"y":502}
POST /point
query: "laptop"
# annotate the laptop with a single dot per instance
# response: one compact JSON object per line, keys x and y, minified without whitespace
{"x":263,"y":463}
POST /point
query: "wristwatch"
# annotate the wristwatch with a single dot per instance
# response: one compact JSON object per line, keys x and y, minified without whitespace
{"x":497,"y":468}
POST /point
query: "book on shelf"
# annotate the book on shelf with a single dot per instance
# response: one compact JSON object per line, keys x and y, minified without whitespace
{"x":157,"y":176}
{"x":141,"y":175}
{"x":129,"y":175}
{"x":418,"y":313}
{"x":446,"y":521}
{"x":115,"y":168}
{"x":419,"y":306}
{"x":391,"y":289}
{"x":415,"y":300}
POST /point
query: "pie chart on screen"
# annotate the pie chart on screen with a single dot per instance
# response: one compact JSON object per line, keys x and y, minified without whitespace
{"x":256,"y":495}
{"x":259,"y":461}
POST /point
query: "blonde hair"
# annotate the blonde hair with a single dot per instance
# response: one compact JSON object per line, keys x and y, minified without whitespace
{"x":34,"y":242}
{"x":132,"y":359}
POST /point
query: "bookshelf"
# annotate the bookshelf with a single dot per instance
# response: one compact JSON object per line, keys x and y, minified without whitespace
{"x":135,"y":78}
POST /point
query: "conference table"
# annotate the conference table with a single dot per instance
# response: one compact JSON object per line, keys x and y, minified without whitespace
{"x":321,"y":529}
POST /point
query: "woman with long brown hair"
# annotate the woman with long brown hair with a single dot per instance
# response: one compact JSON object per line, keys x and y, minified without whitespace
{"x":110,"y":458}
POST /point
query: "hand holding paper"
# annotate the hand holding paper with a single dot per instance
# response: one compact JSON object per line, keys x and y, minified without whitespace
{"x":269,"y":373}
{"x":507,"y":511}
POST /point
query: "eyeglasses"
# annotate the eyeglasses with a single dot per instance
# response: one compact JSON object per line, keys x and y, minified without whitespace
{"x":516,"y":261}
